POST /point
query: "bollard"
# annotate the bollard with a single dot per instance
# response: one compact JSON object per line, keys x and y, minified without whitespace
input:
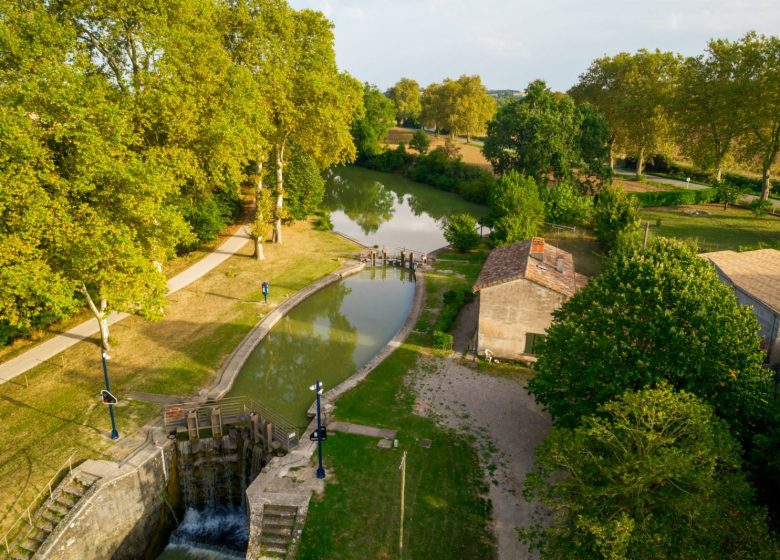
{"x":373,"y":258}
{"x":403,"y":259}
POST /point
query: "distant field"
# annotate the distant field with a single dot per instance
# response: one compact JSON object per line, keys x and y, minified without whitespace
{"x":470,"y":153}
{"x":716,"y":230}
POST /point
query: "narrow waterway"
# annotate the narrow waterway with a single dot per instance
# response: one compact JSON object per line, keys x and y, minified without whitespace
{"x":328,"y":336}
{"x":389,"y":210}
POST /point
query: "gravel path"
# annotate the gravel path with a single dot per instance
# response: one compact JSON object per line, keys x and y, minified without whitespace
{"x":508,"y":425}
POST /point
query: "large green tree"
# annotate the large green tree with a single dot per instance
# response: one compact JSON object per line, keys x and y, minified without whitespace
{"x":654,"y":475}
{"x":710,"y":105}
{"x":761,"y":145}
{"x":615,"y":217}
{"x":405,"y":94}
{"x":660,"y":314}
{"x":378,"y":118}
{"x":634,"y":92}
{"x":517,"y":212}
{"x":472,"y":106}
{"x":535,"y":135}
{"x":85,"y":206}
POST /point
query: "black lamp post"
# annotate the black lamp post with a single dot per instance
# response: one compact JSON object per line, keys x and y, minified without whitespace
{"x":106,"y":357}
{"x":320,"y":435}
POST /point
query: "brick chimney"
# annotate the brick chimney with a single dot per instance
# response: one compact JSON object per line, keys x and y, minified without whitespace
{"x":537,"y":248}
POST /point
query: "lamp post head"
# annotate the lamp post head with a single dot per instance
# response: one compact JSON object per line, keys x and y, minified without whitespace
{"x":316,"y":387}
{"x":106,"y":356}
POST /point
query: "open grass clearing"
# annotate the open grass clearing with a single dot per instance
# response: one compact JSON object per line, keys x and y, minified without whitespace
{"x":54,"y":408}
{"x":713,"y":228}
{"x":469,"y":153}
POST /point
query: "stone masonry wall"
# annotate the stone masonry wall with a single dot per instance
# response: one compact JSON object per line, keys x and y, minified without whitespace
{"x":121,"y":517}
{"x":508,"y":311}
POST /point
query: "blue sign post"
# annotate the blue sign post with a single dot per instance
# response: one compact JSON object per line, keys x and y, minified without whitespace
{"x":114,"y":433}
{"x":319,"y":436}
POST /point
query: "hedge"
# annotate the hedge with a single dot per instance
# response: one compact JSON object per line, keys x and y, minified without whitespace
{"x":676,"y":197}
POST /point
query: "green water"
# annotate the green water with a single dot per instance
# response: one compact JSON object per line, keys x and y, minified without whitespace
{"x":389,"y":210}
{"x":328,"y":336}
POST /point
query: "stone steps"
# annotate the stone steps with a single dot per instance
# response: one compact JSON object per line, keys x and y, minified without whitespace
{"x":277,"y":530}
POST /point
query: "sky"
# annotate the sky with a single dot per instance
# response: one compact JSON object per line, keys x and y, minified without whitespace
{"x":512,"y":42}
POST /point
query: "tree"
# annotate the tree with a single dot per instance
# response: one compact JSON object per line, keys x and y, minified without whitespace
{"x":309,"y":102}
{"x":473,"y":107}
{"x":369,"y":130}
{"x":100,"y":218}
{"x":634,"y":93}
{"x":661,"y":314}
{"x":564,"y":204}
{"x":405,"y":94}
{"x":593,"y":141}
{"x":460,"y":231}
{"x":420,"y":142}
{"x":433,"y":107}
{"x":516,"y":210}
{"x":534,"y":135}
{"x":761,"y":144}
{"x":652,"y":476}
{"x":710,"y":104}
{"x":615,"y":214}
{"x":305,"y":186}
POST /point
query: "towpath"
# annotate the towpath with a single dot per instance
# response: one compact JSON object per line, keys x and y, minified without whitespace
{"x":47,"y":350}
{"x":693,"y":186}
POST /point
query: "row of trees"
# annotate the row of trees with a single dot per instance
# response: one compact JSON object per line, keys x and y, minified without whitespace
{"x":663,"y":412}
{"x":717,"y":108}
{"x":123,"y":127}
{"x":460,"y":106}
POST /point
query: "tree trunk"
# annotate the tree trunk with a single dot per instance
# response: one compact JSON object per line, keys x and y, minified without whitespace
{"x":259,"y":218}
{"x":640,"y":164}
{"x":766,"y":183}
{"x":468,"y":137}
{"x":279,"y":193}
{"x":719,"y":171}
{"x":612,"y":156}
{"x":100,"y":315}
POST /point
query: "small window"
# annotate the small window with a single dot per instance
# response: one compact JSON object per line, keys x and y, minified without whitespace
{"x":533,"y":342}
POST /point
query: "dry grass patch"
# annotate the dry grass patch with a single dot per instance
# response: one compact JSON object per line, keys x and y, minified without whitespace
{"x":469,"y":153}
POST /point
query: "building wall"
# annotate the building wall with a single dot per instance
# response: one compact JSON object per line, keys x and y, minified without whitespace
{"x":767,"y":318}
{"x":508,"y":311}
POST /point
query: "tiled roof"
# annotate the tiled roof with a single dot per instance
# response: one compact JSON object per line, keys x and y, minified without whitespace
{"x":754,"y":272}
{"x":514,"y":262}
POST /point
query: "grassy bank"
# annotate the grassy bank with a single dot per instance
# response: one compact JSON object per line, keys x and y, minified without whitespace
{"x":447,"y":515}
{"x":54,"y":408}
{"x":717,"y":229}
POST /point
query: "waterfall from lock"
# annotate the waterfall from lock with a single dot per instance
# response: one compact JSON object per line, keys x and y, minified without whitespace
{"x":213,"y":476}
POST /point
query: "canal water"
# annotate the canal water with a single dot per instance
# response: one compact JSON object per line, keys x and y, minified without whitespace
{"x":389,"y":210}
{"x":334,"y":332}
{"x":328,"y":336}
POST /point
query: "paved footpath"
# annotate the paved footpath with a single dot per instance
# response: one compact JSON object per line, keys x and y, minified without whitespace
{"x":47,"y":350}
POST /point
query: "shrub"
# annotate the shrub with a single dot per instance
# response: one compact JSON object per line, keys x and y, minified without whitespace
{"x":453,"y":301}
{"x":564,"y":204}
{"x":460,"y":230}
{"x":760,"y":207}
{"x":615,"y":216}
{"x":442,"y":340}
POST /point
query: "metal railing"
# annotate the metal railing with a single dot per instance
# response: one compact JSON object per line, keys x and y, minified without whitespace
{"x":232,"y":409}
{"x":36,"y":503}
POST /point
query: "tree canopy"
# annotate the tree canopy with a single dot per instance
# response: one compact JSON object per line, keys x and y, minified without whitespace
{"x":377,"y":120}
{"x":654,"y":475}
{"x":537,"y":134}
{"x":405,"y":94}
{"x":654,"y":315}
{"x":517,"y":212}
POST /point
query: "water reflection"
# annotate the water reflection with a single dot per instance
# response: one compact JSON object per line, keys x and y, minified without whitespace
{"x":328,"y":336}
{"x":389,"y":210}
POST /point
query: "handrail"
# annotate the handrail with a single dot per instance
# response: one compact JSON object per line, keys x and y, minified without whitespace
{"x":27,"y":515}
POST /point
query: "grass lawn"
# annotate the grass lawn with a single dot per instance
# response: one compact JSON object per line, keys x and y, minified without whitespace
{"x":718,"y":230}
{"x":54,"y":408}
{"x":447,"y":515}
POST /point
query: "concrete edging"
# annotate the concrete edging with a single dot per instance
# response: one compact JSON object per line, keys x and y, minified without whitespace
{"x":229,"y":371}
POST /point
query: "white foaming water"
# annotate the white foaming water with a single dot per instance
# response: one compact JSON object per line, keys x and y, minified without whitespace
{"x":214,"y":534}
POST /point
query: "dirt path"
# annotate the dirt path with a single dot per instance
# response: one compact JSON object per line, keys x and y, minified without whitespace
{"x":508,"y":426}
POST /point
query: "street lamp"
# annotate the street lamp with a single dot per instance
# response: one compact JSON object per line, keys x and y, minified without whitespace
{"x":319,"y":435}
{"x":106,"y":357}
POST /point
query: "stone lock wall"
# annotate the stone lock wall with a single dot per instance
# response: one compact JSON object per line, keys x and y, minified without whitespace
{"x":121,"y":516}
